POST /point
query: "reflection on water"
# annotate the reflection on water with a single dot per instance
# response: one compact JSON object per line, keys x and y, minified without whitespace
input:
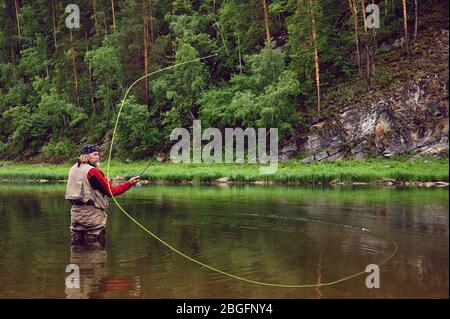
{"x":287,"y":235}
{"x":94,"y":281}
{"x":91,"y":262}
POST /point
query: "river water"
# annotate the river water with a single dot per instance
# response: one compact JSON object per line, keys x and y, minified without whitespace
{"x":275,"y":234}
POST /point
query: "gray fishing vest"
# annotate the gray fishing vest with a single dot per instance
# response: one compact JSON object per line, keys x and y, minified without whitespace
{"x":79,"y":187}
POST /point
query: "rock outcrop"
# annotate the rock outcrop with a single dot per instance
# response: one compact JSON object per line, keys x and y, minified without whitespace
{"x":411,"y":120}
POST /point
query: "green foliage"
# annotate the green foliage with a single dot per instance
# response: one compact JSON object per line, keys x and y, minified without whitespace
{"x":52,"y":117}
{"x":30,"y":131}
{"x":60,"y":88}
{"x":2,"y":148}
{"x":293,"y":171}
{"x":137,"y":136}
{"x":242,"y":22}
{"x":105,"y":63}
{"x":176,"y":92}
{"x":382,"y":78}
{"x":192,"y":29}
{"x":62,"y":115}
{"x":59,"y":151}
{"x":265,"y":97}
{"x":33,"y":60}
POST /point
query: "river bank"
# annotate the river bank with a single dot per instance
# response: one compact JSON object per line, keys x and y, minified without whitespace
{"x":400,"y":171}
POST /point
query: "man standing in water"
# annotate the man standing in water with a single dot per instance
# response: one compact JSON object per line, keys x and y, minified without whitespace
{"x":87,"y":190}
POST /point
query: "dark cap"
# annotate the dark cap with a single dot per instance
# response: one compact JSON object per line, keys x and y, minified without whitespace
{"x":88,"y":149}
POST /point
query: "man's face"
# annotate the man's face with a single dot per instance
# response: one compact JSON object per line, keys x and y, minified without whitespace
{"x":94,"y":157}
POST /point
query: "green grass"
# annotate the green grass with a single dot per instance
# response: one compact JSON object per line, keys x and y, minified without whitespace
{"x":291,"y":172}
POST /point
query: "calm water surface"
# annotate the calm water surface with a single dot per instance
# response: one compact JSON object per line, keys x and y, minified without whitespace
{"x":287,"y":235}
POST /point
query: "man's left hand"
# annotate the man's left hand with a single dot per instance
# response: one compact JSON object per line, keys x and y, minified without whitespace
{"x":134,"y":180}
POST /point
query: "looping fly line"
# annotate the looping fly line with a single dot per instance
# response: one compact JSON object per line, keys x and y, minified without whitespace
{"x":262,"y":283}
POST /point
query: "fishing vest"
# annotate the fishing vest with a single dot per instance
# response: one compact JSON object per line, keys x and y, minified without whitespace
{"x":79,"y":187}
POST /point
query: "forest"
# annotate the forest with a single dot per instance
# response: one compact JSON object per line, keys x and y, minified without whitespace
{"x":276,"y":63}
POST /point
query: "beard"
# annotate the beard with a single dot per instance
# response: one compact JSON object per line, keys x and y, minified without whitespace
{"x":95,"y":164}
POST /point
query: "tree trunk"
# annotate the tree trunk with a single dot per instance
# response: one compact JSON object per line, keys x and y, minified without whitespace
{"x":316,"y":53}
{"x":108,"y":90}
{"x":86,"y":43}
{"x":144,"y":18}
{"x":266,"y":23}
{"x":152,"y":15}
{"x":91,"y":90}
{"x":94,"y":10}
{"x":74,"y":68}
{"x":113,"y":15}
{"x":366,"y":43}
{"x":54,"y":23}
{"x":354,"y":10}
{"x":13,"y":61}
{"x":416,"y":19}
{"x":16,"y":6}
{"x":106,"y":25}
{"x":239,"y":52}
{"x":374,"y":49}
{"x":405,"y":24}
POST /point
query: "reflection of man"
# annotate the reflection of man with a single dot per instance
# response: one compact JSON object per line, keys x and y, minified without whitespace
{"x":87,"y":190}
{"x":94,"y":281}
{"x":92,"y":263}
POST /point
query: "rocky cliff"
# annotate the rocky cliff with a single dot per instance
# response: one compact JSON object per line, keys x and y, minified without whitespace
{"x":411,"y":119}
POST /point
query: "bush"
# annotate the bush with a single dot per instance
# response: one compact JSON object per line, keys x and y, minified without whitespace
{"x":137,"y":135}
{"x":59,"y":151}
{"x":382,"y":78}
{"x":2,"y":149}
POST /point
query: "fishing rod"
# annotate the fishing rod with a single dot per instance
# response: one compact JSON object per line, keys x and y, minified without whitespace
{"x":138,"y":184}
{"x":148,"y":165}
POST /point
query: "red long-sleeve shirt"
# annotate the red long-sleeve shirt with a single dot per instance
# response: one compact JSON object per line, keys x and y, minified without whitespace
{"x":98,"y":181}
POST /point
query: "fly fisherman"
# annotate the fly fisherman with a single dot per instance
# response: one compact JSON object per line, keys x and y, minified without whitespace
{"x":87,"y":190}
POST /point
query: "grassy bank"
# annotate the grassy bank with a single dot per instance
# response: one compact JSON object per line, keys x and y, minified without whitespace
{"x":345,"y":171}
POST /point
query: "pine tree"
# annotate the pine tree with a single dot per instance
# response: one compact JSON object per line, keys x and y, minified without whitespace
{"x":266,"y":22}
{"x":113,"y":15}
{"x":366,"y":42}
{"x":54,"y":23}
{"x":405,"y":25}
{"x":354,"y":9}
{"x":74,"y":69}
{"x":94,"y":10}
{"x":17,"y":9}
{"x":316,"y":53}
{"x":416,"y":19}
{"x":145,"y":38}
